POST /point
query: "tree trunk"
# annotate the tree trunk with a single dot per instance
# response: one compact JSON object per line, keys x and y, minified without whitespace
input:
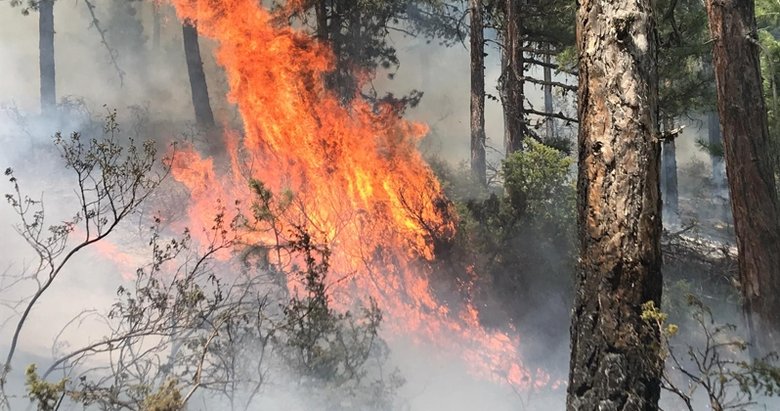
{"x":671,"y":210}
{"x":46,"y":58}
{"x":513,"y":71}
{"x":548,"y":98}
{"x":615,"y":363}
{"x":719,"y":187}
{"x":200,"y":92}
{"x":714,"y":139}
{"x":321,"y":11}
{"x":478,"y":166}
{"x":749,"y":165}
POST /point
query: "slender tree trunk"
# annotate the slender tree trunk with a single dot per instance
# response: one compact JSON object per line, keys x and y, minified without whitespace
{"x":715,"y":139}
{"x":671,"y":210}
{"x":719,"y":187}
{"x":321,"y":11}
{"x":200,"y":92}
{"x":46,"y":58}
{"x":615,"y":363}
{"x":513,"y":81}
{"x":548,"y":98}
{"x":749,"y":165}
{"x":478,"y":166}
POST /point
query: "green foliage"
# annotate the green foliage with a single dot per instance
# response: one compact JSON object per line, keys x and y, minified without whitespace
{"x":686,"y":82}
{"x":714,"y":150}
{"x":518,"y":238}
{"x":768,"y":21}
{"x":359,"y":34}
{"x":653,"y":314}
{"x":330,"y":350}
{"x":166,"y":398}
{"x":544,"y":22}
{"x":45,"y":395}
{"x":537,"y":200}
{"x":537,"y":183}
{"x":321,"y":343}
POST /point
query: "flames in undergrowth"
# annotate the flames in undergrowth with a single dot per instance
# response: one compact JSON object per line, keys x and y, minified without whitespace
{"x":356,"y":176}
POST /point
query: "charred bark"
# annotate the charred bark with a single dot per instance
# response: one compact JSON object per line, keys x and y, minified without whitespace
{"x":200,"y":92}
{"x":478,"y":162}
{"x":615,"y":362}
{"x":46,"y":57}
{"x":749,"y":165}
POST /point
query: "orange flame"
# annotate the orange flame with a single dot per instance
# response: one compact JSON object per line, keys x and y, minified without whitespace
{"x":355,"y":172}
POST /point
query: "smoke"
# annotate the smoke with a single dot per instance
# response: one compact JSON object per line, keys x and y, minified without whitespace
{"x":155,"y":83}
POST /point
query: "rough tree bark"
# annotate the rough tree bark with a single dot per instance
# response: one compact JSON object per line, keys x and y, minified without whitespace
{"x":200,"y":92}
{"x":749,"y":165}
{"x":614,"y":353}
{"x":46,"y":57}
{"x":671,"y":209}
{"x":512,"y":77}
{"x":478,"y":166}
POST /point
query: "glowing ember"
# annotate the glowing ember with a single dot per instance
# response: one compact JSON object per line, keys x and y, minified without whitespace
{"x":355,"y":173}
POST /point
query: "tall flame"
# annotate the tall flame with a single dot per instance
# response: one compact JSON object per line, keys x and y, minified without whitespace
{"x":355,"y":172}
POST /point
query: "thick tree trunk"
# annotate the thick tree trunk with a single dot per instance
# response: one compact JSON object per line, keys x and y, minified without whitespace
{"x":749,"y":164}
{"x":478,"y":166}
{"x":671,"y":210}
{"x":513,"y":82}
{"x":548,"y":98}
{"x":46,"y":58}
{"x":615,"y":361}
{"x":200,"y":92}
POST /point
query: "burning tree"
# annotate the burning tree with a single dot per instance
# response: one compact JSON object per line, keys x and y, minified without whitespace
{"x":356,"y":174}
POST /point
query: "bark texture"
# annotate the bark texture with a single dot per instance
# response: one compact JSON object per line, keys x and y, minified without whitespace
{"x":200,"y":92}
{"x":46,"y":57}
{"x":614,"y":353}
{"x":512,"y":81}
{"x":749,"y":165}
{"x":477,"y":38}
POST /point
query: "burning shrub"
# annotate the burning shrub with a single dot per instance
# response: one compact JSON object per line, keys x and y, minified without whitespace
{"x":329,"y":350}
{"x":528,"y":223}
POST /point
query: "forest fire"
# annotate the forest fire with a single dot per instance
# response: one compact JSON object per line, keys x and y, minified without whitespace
{"x":355,"y":176}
